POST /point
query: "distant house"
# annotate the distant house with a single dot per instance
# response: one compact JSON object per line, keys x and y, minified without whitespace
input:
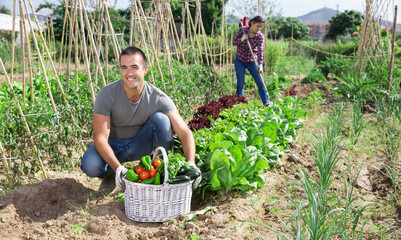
{"x":318,"y":29}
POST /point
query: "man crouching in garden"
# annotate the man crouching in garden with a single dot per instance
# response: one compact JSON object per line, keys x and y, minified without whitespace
{"x":131,"y":118}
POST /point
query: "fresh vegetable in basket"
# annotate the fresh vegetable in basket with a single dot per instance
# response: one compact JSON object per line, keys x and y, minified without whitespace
{"x":147,"y":162}
{"x":132,"y":176}
{"x":175,"y":162}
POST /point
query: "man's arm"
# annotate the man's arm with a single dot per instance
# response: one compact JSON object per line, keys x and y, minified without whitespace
{"x":184,"y":133}
{"x":101,"y":132}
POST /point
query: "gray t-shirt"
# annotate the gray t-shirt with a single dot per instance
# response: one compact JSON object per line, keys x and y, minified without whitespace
{"x":126,"y":117}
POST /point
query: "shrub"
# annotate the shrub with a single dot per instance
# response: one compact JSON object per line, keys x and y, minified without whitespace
{"x":315,"y":76}
{"x":335,"y":65}
{"x":274,"y":52}
{"x":325,"y":51}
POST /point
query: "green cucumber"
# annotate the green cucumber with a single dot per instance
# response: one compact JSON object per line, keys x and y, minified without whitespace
{"x":180,"y":179}
{"x":149,"y":180}
{"x":193,"y":173}
{"x":183,"y":170}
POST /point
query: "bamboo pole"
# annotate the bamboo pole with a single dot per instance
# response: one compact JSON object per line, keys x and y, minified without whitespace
{"x":71,"y":35}
{"x":41,"y":61}
{"x":76,"y":52}
{"x":212,"y":42}
{"x":390,"y":72}
{"x":10,"y":86}
{"x":28,"y":48}
{"x":222,"y":39}
{"x":62,"y":33}
{"x":99,"y":40}
{"x":13,"y":44}
{"x":86,"y":54}
{"x":195,"y":36}
{"x":23,"y":57}
{"x":131,"y":32}
{"x":292,"y":38}
{"x":93,"y":43}
{"x":207,"y":47}
{"x":143,"y":37}
{"x":165,"y":31}
{"x":106,"y":48}
{"x":50,"y":60}
{"x":178,"y":38}
{"x":171,"y":27}
{"x":184,"y":7}
{"x":3,"y":159}
{"x":117,"y":48}
{"x":151,"y":40}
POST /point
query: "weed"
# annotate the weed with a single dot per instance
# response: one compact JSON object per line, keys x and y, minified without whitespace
{"x":78,"y":228}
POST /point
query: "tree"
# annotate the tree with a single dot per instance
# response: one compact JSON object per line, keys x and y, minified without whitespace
{"x":5,"y":10}
{"x":249,"y":8}
{"x":343,"y":23}
{"x":285,"y":27}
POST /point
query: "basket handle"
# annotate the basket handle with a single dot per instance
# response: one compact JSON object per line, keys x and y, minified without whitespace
{"x":165,"y":159}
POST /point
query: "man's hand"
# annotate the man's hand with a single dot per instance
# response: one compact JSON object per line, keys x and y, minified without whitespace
{"x":244,"y":37}
{"x":198,"y":179}
{"x":120,"y":174}
{"x":260,"y":68}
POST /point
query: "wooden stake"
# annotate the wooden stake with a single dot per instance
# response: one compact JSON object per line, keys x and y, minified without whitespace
{"x":23,"y":57}
{"x":3,"y":155}
{"x":151,"y":39}
{"x":93,"y":43}
{"x":28,"y":48}
{"x":62,"y":34}
{"x":41,"y":61}
{"x":72,"y":26}
{"x":13,"y":44}
{"x":131,"y":32}
{"x":86,"y":55}
{"x":143,"y":37}
{"x":28,"y":131}
{"x":117,"y":49}
{"x":76,"y":52}
{"x":50,"y":60}
{"x":106,"y":49}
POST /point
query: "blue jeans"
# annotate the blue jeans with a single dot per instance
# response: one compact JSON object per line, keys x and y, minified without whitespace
{"x":240,"y":67}
{"x":156,"y":130}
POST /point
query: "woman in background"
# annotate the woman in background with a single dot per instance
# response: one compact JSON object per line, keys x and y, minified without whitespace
{"x":245,"y":60}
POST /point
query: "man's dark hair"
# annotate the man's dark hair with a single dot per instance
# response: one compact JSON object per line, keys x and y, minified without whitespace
{"x":257,"y":19}
{"x":133,"y":51}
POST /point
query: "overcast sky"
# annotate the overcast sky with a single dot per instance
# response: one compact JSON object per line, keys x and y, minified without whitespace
{"x":290,"y":8}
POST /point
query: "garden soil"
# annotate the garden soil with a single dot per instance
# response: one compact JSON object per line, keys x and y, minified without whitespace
{"x":70,"y":205}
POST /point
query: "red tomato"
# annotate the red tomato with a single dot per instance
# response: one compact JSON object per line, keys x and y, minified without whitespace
{"x":139,"y":169}
{"x":144,"y":175}
{"x":156,"y":163}
{"x":152,"y":172}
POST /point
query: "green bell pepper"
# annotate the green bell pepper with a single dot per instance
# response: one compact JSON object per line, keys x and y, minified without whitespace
{"x":157,"y":179}
{"x":147,"y":162}
{"x":132,"y":176}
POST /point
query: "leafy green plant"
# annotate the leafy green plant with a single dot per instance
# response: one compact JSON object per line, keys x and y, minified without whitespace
{"x":335,"y":65}
{"x":245,"y":141}
{"x":274,"y":52}
{"x":357,"y":123}
{"x":313,"y":98}
{"x":79,"y":227}
{"x":315,"y":75}
{"x":356,"y":87}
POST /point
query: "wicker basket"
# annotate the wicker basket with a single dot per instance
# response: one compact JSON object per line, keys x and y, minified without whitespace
{"x":157,"y":203}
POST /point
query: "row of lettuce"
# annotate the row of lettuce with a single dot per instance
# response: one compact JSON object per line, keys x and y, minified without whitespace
{"x":245,"y":141}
